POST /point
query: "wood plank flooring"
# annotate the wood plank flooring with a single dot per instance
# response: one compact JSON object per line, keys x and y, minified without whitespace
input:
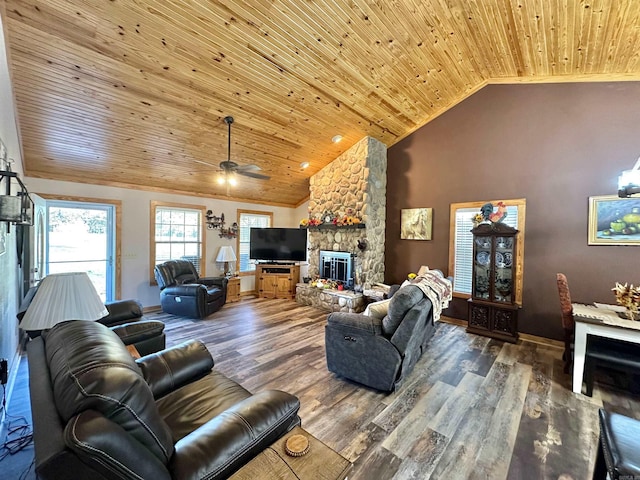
{"x":473,"y":408}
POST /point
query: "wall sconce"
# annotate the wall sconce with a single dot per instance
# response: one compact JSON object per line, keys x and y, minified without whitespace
{"x":629,"y":181}
{"x":214,"y":222}
{"x":18,"y":208}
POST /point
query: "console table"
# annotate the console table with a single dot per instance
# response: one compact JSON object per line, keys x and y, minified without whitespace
{"x":277,"y":281}
{"x":273,"y":463}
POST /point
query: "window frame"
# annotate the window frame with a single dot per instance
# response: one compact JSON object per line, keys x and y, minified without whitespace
{"x":117,"y":204}
{"x":521,"y":204}
{"x":241,"y":212}
{"x":152,"y":234}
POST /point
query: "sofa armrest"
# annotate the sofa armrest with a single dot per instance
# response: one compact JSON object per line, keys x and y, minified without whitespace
{"x":174,"y":367}
{"x":122,"y":311}
{"x":186,"y":290}
{"x":214,"y":281}
{"x":135,"y":332}
{"x":231,"y":439}
{"x":356,"y":321}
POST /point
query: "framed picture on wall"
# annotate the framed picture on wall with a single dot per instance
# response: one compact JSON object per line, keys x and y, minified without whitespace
{"x":614,"y":220}
{"x":416,"y":223}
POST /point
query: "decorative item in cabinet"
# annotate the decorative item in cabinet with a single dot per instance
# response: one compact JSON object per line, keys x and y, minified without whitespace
{"x":493,"y":310}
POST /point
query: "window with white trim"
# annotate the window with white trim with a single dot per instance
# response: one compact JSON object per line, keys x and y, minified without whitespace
{"x":178,"y":235}
{"x":248,"y":219}
{"x":461,"y":241}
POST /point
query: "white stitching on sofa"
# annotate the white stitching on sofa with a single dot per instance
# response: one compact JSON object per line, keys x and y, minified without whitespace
{"x":95,"y":450}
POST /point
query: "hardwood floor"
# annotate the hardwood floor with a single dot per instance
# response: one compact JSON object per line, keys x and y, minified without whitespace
{"x":473,"y":408}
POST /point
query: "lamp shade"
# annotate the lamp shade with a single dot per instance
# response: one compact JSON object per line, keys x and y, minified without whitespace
{"x":60,"y":297}
{"x":225,"y":254}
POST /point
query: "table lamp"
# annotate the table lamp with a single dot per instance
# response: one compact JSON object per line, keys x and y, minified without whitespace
{"x":226,"y":255}
{"x":60,"y":297}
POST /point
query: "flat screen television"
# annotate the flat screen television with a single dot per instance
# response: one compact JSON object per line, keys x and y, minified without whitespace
{"x":278,"y":244}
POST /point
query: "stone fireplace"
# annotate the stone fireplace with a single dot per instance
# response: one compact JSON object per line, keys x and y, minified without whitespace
{"x":356,"y":180}
{"x":337,"y":266}
{"x":355,"y":184}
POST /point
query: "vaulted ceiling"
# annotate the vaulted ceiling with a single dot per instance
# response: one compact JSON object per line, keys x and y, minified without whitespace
{"x":133,"y":93}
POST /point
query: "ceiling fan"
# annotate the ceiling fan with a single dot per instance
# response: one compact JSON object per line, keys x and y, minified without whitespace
{"x":229,"y":168}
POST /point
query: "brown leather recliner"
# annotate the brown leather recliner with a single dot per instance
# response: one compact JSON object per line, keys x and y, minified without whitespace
{"x":99,"y":414}
{"x":183,"y":292}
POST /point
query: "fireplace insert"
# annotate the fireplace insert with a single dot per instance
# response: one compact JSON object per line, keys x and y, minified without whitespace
{"x":337,"y":266}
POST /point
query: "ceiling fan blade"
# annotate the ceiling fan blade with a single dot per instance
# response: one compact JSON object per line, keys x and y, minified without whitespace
{"x":259,"y":176}
{"x":205,"y":163}
{"x":248,"y":168}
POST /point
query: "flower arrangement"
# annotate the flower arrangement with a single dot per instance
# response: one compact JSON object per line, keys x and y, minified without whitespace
{"x":330,"y":218}
{"x":629,"y":297}
{"x":310,"y":222}
{"x":324,"y":283}
{"x":345,"y":220}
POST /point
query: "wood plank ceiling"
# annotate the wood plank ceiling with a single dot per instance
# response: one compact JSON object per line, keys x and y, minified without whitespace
{"x":134,"y":92}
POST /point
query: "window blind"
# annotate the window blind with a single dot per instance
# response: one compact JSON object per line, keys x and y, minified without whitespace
{"x":247,"y":221}
{"x":178,"y":235}
{"x":463,"y":245}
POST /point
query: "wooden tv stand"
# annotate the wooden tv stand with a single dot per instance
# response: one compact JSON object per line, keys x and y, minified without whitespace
{"x":277,"y":280}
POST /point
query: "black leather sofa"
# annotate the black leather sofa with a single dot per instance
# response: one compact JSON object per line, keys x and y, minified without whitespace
{"x":184,"y":293}
{"x":99,"y":414}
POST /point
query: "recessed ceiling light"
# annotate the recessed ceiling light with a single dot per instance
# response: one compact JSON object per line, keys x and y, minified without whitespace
{"x":304,"y":165}
{"x":336,"y":138}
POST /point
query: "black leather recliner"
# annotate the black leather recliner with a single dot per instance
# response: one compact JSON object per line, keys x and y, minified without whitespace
{"x":126,"y":319}
{"x":183,"y":293}
{"x":99,"y":414}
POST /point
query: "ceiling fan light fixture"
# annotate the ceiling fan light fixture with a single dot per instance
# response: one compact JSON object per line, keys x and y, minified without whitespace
{"x":231,"y":180}
{"x":221,"y":180}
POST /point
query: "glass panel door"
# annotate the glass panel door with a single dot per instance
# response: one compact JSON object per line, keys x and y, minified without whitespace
{"x":80,"y":238}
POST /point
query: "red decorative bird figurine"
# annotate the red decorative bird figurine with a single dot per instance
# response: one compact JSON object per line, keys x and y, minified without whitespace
{"x":499,"y":214}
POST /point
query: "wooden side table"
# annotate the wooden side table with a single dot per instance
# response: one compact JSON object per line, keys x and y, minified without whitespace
{"x":273,"y":463}
{"x":233,"y":290}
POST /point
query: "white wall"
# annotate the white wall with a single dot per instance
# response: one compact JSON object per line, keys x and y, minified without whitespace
{"x":9,"y":271}
{"x":136,"y":232}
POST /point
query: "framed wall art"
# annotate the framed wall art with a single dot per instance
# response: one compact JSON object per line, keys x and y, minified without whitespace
{"x":416,"y":223}
{"x":614,"y":220}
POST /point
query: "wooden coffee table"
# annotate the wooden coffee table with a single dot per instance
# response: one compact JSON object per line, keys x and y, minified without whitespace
{"x":319,"y":463}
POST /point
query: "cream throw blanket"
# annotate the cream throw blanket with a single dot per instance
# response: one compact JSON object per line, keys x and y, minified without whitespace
{"x":437,"y":289}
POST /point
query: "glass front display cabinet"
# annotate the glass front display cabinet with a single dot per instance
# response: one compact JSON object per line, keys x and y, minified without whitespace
{"x":493,"y":310}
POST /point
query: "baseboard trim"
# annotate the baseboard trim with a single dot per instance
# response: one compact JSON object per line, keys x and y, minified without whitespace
{"x":523,"y":336}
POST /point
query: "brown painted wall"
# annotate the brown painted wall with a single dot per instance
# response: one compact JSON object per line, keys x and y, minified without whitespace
{"x":553,"y":144}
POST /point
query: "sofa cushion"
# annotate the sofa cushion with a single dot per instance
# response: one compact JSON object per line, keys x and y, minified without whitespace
{"x":91,"y":369}
{"x":399,"y":305}
{"x":378,"y":309}
{"x":194,"y":404}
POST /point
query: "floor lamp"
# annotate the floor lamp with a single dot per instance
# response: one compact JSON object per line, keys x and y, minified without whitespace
{"x":61,"y":297}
